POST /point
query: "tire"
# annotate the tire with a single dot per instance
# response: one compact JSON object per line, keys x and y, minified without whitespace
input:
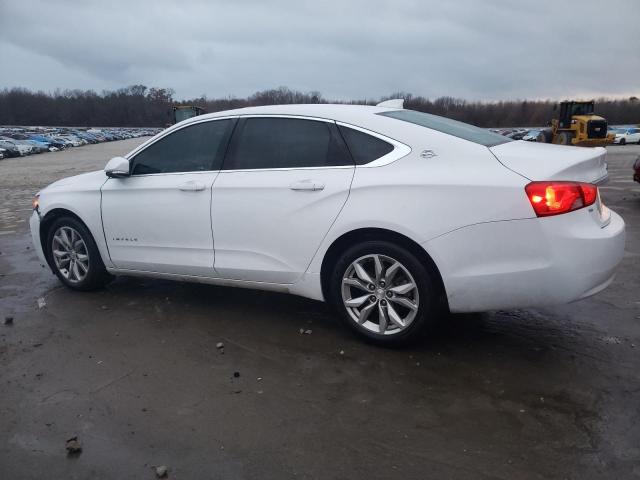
{"x":544,"y":136}
{"x":623,"y":141}
{"x":563,"y":138}
{"x":68,"y":242}
{"x":390,"y":306}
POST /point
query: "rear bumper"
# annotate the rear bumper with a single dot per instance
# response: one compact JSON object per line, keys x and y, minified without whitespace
{"x":528,"y":263}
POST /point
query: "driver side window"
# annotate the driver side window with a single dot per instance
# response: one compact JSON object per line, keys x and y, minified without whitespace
{"x":198,"y":147}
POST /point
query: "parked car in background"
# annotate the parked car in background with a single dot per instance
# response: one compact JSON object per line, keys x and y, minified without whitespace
{"x":29,"y":140}
{"x":531,"y":135}
{"x":517,"y":135}
{"x":64,"y":141}
{"x":363,"y":207}
{"x":23,"y":149}
{"x":2,"y":153}
{"x":11,"y":150}
{"x":40,"y":147}
{"x":627,"y":135}
{"x":86,"y":136}
{"x":73,"y":140}
{"x":58,"y":144}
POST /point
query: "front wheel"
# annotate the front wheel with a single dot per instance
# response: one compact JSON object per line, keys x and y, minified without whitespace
{"x":384,"y":293}
{"x":74,"y":256}
{"x":564,"y":138}
{"x":623,"y":141}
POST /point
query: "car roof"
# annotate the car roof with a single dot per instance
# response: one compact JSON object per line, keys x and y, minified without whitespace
{"x":356,"y":114}
{"x":363,"y":116}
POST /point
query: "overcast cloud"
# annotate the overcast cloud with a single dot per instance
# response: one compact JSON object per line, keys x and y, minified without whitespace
{"x":360,"y":49}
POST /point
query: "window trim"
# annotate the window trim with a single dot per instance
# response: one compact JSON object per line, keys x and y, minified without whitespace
{"x":234,"y":139}
{"x":169,"y":131}
{"x":399,"y":151}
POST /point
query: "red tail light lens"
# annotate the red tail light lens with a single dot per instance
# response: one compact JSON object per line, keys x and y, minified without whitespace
{"x":554,"y":198}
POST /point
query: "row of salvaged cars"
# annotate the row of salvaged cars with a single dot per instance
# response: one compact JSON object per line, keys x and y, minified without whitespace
{"x":21,"y":141}
{"x":623,"y":134}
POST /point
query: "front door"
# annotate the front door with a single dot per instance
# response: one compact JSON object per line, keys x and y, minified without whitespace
{"x":282,"y":185}
{"x":158,"y":219}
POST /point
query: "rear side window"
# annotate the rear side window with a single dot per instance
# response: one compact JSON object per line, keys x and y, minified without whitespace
{"x":195,"y":148}
{"x":451,"y":127}
{"x":286,"y":143}
{"x":364,"y":148}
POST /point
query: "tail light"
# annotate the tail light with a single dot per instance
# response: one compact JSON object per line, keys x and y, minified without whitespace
{"x":554,"y":198}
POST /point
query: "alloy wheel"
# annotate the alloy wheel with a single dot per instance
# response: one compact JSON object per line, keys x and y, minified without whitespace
{"x":70,"y":254}
{"x":380,"y":294}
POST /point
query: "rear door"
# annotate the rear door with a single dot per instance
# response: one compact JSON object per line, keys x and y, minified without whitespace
{"x":159,"y":218}
{"x":282,"y":185}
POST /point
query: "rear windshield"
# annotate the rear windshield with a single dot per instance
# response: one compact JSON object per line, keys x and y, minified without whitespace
{"x":452,"y":127}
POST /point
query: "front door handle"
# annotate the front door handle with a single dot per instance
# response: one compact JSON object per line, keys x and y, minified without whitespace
{"x":192,"y":186}
{"x":307,"y":184}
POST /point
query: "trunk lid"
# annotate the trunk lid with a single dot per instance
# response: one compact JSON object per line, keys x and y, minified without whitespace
{"x":544,"y":161}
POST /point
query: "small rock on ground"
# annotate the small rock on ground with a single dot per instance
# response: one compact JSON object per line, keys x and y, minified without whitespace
{"x":73,"y":446}
{"x":161,"y":471}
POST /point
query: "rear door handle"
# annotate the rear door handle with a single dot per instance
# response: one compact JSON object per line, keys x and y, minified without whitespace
{"x":192,"y":186}
{"x":307,"y":184}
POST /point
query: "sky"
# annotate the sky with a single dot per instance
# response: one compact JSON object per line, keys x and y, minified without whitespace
{"x":345,"y":49}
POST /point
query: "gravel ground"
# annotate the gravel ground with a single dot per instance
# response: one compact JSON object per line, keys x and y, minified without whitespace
{"x":133,"y":371}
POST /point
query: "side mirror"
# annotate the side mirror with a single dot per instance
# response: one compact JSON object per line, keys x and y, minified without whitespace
{"x":117,"y":167}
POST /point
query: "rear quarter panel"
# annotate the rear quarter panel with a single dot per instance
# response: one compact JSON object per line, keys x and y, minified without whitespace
{"x":423,"y":198}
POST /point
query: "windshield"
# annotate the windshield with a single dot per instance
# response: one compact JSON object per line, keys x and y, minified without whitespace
{"x":451,"y":127}
{"x":582,"y":108}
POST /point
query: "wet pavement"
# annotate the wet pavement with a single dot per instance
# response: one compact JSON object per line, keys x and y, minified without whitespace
{"x":134,"y":372}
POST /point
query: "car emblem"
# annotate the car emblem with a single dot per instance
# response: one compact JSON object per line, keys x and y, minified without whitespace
{"x":428,"y":154}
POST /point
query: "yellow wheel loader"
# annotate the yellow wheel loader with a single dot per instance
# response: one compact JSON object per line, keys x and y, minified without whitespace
{"x":576,"y":124}
{"x":182,"y":112}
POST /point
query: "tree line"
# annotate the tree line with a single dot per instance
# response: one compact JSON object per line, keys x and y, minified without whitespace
{"x":141,"y":106}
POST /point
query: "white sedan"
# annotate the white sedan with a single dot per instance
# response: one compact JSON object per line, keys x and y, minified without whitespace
{"x":627,"y":135}
{"x":391,"y":215}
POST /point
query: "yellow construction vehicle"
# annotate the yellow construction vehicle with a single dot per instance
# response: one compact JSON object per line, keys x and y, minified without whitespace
{"x":576,"y":124}
{"x":182,"y":112}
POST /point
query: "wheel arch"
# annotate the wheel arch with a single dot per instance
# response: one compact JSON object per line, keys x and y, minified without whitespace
{"x":353,"y":237}
{"x":45,"y":224}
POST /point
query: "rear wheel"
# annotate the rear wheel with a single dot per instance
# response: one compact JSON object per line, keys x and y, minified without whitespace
{"x":74,"y":256}
{"x":384,"y":293}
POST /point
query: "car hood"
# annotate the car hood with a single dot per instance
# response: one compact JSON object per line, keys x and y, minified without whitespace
{"x":84,"y":182}
{"x":545,"y":161}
